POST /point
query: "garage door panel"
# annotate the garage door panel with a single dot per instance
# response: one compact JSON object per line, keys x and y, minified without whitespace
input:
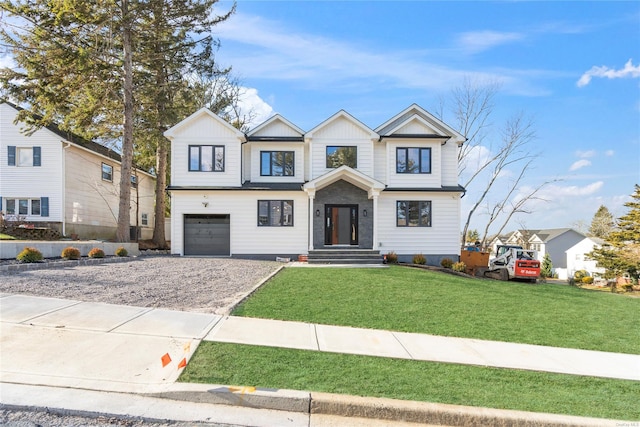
{"x":207,"y":235}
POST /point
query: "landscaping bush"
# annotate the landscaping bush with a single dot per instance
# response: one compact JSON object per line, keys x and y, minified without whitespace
{"x":419,"y":259}
{"x":392,"y":258}
{"x":29,"y":255}
{"x":446,"y":262}
{"x":578,"y":275}
{"x":96,"y":253}
{"x":121,"y":252}
{"x":70,"y":253}
{"x":459,"y":266}
{"x":587,"y":280}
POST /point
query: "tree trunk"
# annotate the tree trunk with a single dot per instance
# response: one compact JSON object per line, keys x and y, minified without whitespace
{"x":124,"y":220}
{"x":159,"y":238}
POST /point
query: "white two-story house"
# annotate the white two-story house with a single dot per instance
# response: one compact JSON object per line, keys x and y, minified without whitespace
{"x":279,"y":191}
{"x":58,"y":180}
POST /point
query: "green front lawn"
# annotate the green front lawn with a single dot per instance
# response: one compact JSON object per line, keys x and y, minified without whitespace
{"x":423,"y":301}
{"x":6,"y":237}
{"x":267,"y":367}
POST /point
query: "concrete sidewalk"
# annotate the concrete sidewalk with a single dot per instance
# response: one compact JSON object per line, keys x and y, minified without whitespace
{"x":122,"y":349}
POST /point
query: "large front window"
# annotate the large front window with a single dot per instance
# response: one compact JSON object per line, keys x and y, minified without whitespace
{"x":277,"y":163}
{"x":275,"y":213}
{"x":345,"y":155}
{"x":413,"y":214}
{"x":25,"y":207}
{"x":206,"y":158}
{"x":413,"y":160}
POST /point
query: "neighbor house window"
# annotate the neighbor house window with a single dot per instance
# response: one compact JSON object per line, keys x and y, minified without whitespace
{"x":107,"y":172}
{"x":277,"y":163}
{"x":28,"y":207}
{"x":413,"y":214}
{"x":345,"y":155}
{"x":24,"y":156}
{"x":275,"y":213}
{"x":145,"y":219}
{"x":413,"y":160}
{"x":206,"y":158}
{"x":134,"y":181}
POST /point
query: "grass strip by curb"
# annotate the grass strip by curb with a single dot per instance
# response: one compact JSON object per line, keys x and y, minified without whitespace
{"x":235,"y":364}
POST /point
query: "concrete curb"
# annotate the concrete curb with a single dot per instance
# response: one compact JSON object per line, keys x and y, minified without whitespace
{"x":372,"y":407}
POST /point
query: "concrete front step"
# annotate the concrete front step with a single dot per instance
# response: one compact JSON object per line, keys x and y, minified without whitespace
{"x":354,"y":256}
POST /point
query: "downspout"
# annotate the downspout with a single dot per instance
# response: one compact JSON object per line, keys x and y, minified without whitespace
{"x":64,"y":187}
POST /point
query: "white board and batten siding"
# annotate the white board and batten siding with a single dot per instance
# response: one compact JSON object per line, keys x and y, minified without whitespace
{"x":434,"y":240}
{"x":242,"y":207}
{"x":205,"y":130}
{"x":254,"y":160}
{"x":31,"y":182}
{"x":449,"y":164}
{"x":415,"y":180}
{"x":341,"y":132}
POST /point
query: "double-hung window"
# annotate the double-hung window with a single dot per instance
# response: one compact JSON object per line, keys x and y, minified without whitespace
{"x":206,"y":158}
{"x":413,"y":213}
{"x":24,"y":156}
{"x":413,"y":160}
{"x":342,"y":155}
{"x":107,"y":172}
{"x":275,"y":213}
{"x":277,"y":163}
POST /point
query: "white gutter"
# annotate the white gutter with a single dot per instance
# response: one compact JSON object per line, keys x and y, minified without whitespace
{"x":64,"y":187}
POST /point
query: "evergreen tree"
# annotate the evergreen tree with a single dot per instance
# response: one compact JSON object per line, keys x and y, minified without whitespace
{"x":602,"y":223}
{"x":547,"y":266}
{"x":623,"y":256}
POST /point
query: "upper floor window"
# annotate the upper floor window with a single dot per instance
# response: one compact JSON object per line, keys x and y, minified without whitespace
{"x":134,"y":181}
{"x":342,"y":155}
{"x":277,"y":163}
{"x":413,"y":214}
{"x":275,"y":213}
{"x":107,"y":172}
{"x":413,"y":160}
{"x":24,"y":156}
{"x":144,"y":219}
{"x":206,"y":158}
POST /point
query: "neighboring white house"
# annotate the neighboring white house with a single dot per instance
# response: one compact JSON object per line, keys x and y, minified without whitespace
{"x":566,"y":248}
{"x":58,"y":180}
{"x":281,"y":191}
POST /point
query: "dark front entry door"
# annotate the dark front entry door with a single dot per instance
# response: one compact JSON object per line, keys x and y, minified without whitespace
{"x":341,"y":225}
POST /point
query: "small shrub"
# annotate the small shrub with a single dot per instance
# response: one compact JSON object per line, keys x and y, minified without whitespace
{"x":587,"y":280}
{"x":392,"y":258}
{"x":29,"y":255}
{"x":578,"y":275}
{"x":419,"y":259}
{"x":121,"y":252}
{"x":96,"y":253}
{"x":459,"y":266}
{"x":446,"y":263}
{"x":70,"y":253}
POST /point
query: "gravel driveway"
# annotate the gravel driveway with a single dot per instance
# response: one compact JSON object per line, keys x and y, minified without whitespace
{"x":205,"y":285}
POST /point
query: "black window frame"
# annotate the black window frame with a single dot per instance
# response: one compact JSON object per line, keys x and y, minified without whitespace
{"x":406,"y":155}
{"x":102,"y":172}
{"x":269,"y":219}
{"x":407,"y":212}
{"x":336,"y":147}
{"x":144,"y":218}
{"x":214,"y":164}
{"x":271,"y":153}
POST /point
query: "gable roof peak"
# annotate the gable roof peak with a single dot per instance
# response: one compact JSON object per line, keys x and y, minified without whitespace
{"x":345,"y":115}
{"x":204,"y":111}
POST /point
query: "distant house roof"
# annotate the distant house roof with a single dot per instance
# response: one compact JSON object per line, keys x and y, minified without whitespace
{"x":76,"y":139}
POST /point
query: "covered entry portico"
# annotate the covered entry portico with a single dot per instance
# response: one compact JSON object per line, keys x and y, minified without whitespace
{"x":342,"y":210}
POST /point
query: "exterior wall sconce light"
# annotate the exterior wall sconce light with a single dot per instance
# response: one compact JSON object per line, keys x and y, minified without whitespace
{"x":205,"y":204}
{"x":318,"y":212}
{"x":364,"y":212}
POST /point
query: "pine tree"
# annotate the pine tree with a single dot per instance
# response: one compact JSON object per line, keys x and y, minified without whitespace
{"x":602,"y":223}
{"x":623,"y":256}
{"x":547,"y":266}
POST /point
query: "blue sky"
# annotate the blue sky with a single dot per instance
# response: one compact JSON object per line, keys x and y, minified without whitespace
{"x":573,"y":67}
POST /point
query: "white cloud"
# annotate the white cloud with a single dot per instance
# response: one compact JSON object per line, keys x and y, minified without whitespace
{"x":629,"y":71}
{"x":609,"y":153}
{"x":586,"y":154}
{"x":250,"y":102}
{"x":580,"y":164}
{"x":478,"y":41}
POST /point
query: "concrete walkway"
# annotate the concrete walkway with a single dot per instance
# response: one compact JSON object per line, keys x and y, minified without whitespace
{"x":122,"y":349}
